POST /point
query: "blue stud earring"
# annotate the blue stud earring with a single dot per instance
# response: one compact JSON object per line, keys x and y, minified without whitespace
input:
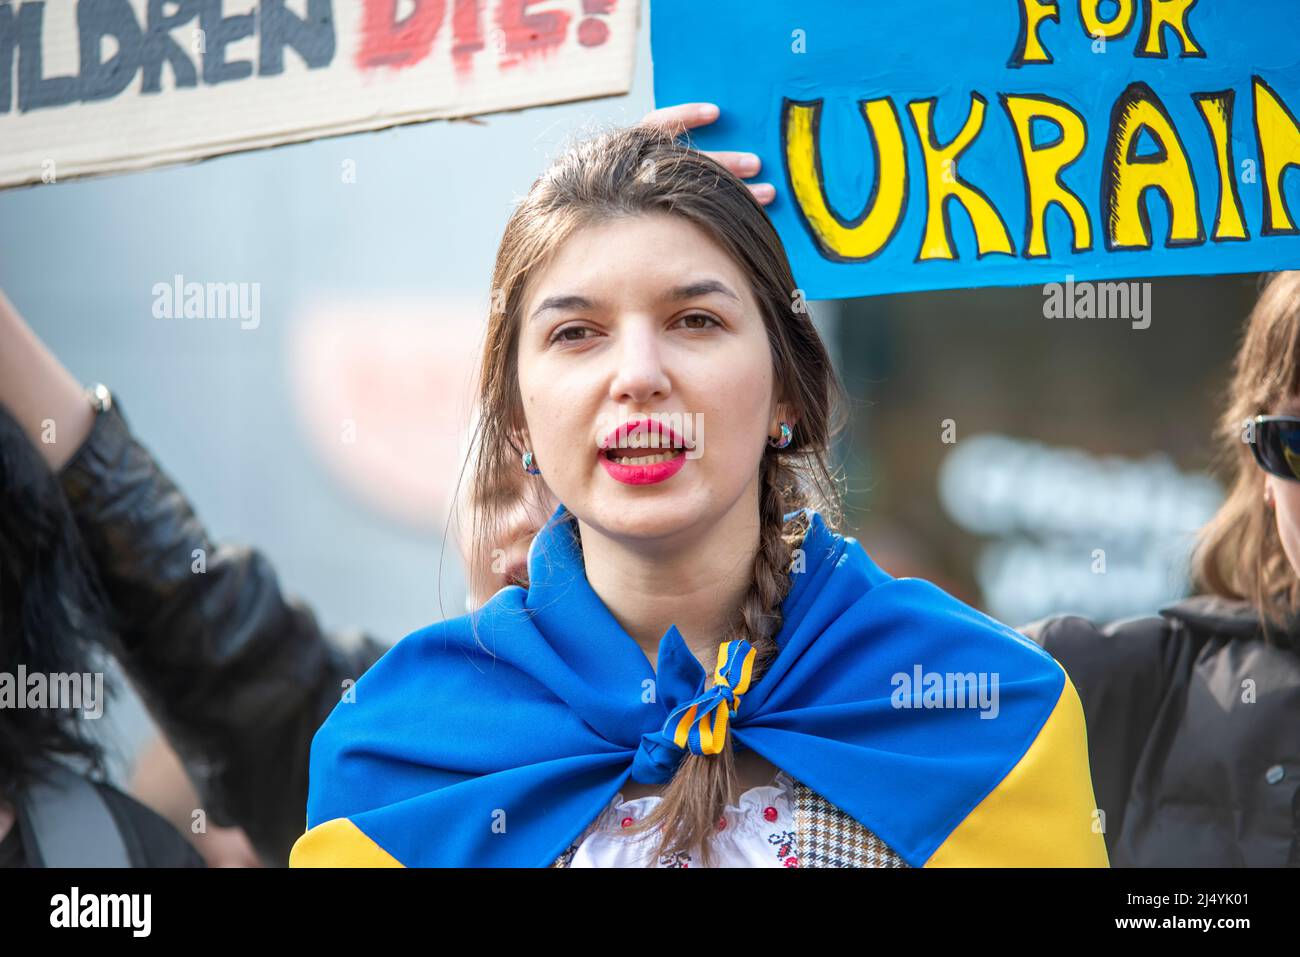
{"x":529,"y":467}
{"x":785,"y":439}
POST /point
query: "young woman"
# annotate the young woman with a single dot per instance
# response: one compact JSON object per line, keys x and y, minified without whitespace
{"x":1194,"y":714}
{"x":701,"y":670}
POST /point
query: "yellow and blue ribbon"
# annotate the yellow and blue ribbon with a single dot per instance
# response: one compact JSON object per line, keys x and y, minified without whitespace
{"x":701,"y":723}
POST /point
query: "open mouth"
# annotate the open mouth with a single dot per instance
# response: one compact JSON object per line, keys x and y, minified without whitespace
{"x":644,"y":446}
{"x":643,"y":442}
{"x":643,"y":452}
{"x":635,"y":456}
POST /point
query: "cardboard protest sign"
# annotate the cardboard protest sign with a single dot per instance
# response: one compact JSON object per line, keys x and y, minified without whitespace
{"x":941,"y":143}
{"x":100,"y":85}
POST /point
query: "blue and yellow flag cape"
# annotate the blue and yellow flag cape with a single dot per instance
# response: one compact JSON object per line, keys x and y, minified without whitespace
{"x":951,"y":736}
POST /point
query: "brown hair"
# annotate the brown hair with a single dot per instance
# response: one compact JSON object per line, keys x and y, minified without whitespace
{"x":638,"y":171}
{"x":1239,"y":554}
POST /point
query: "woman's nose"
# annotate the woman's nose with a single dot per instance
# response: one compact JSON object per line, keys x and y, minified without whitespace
{"x":640,"y":375}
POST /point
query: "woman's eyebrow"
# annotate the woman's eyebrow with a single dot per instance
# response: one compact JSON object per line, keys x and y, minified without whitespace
{"x":561,"y":302}
{"x":691,"y":290}
{"x":701,"y":288}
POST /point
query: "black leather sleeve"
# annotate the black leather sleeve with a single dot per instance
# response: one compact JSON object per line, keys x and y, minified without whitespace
{"x":237,"y":675}
{"x":1123,"y":672}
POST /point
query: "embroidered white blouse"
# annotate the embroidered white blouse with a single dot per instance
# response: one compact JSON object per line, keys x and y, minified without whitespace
{"x":758,"y":832}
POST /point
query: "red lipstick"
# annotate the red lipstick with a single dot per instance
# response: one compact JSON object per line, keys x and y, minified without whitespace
{"x":651,"y":438}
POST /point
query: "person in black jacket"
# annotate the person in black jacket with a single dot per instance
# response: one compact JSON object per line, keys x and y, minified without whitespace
{"x":1193,"y":715}
{"x":237,"y":675}
{"x":55,"y":807}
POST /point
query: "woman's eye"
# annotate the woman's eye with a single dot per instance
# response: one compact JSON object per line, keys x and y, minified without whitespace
{"x":563,"y":334}
{"x":700,"y":315}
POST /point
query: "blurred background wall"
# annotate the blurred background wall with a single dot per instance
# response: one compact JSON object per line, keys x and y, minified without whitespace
{"x":1083,"y":457}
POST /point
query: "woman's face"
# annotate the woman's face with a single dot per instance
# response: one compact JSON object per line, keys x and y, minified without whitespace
{"x":1284,"y":495}
{"x":645,"y":317}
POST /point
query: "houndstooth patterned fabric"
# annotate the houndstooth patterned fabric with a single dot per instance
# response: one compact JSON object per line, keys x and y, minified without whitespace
{"x":825,"y":836}
{"x":828,"y":837}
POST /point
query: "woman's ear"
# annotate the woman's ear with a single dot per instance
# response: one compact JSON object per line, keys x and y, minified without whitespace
{"x":1269,"y":501}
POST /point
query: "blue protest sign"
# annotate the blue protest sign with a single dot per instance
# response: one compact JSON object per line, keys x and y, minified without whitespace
{"x":931,"y":144}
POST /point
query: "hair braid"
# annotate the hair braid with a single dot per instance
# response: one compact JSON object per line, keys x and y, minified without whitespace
{"x":704,"y":785}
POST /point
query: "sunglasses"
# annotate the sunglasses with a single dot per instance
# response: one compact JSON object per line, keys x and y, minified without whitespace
{"x":1277,"y":445}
